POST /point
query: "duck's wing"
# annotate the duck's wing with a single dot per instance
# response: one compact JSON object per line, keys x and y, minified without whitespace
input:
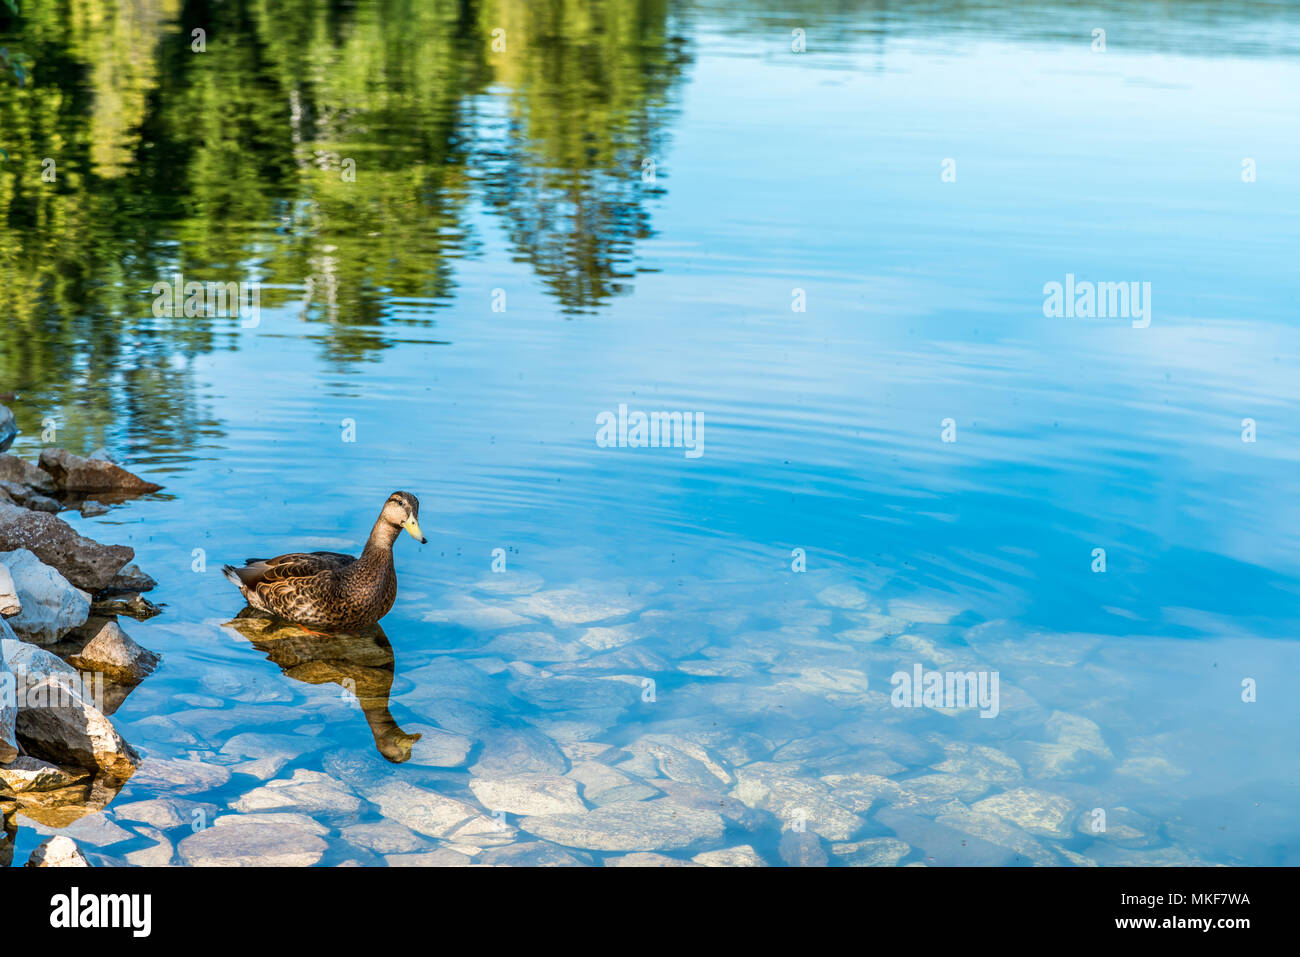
{"x":287,"y":571}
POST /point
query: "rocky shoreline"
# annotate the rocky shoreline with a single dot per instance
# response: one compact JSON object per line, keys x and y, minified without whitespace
{"x":66,"y":663}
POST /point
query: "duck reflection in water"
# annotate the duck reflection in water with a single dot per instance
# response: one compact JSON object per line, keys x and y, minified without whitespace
{"x":360,"y":663}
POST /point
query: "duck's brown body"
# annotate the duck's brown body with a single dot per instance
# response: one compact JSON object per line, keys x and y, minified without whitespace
{"x":328,"y":589}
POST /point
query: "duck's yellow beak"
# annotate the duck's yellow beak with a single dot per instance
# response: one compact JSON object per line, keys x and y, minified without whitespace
{"x":412,"y":526}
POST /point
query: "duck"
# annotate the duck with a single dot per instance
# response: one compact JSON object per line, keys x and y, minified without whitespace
{"x":331,"y":591}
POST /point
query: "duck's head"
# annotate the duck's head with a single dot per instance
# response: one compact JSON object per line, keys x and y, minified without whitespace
{"x":402,"y":510}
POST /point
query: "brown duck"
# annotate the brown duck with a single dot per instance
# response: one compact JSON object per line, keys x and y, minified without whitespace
{"x":331,"y":590}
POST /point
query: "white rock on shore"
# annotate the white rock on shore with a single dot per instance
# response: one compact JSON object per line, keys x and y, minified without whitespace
{"x":113,"y":652}
{"x":50,"y":605}
{"x":8,"y":711}
{"x":58,"y":851}
{"x":10,"y":603}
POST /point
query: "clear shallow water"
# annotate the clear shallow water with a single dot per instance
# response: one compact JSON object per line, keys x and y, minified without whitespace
{"x":774,"y":170}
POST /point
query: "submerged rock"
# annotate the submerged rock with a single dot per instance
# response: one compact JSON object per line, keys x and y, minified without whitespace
{"x":438,"y":748}
{"x":179,"y":776}
{"x":508,"y":751}
{"x":308,"y":791}
{"x":807,"y":803}
{"x":742,"y":855}
{"x":802,"y":849}
{"x":112,"y":652}
{"x":50,"y":606}
{"x":529,"y":794}
{"x":95,"y":474}
{"x":428,"y":812}
{"x":602,"y":784}
{"x":86,"y":564}
{"x":252,"y":844}
{"x":648,"y":859}
{"x":58,"y":851}
{"x":533,"y":854}
{"x":874,"y":852}
{"x":1038,"y":812}
{"x":655,"y":825}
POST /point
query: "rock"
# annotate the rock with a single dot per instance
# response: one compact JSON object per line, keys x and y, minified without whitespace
{"x":533,"y":854}
{"x":936,"y":612}
{"x":981,"y":763}
{"x":28,"y":497}
{"x":86,"y":564}
{"x":113,"y":653}
{"x":14,"y":469}
{"x":1118,"y":825}
{"x":943,"y":846}
{"x":8,"y":709}
{"x":50,"y":606}
{"x":602,"y":784}
{"x":252,"y":844}
{"x":875,"y":852}
{"x":76,"y":732}
{"x":655,"y":825}
{"x":279,"y":817}
{"x":130,"y":580}
{"x":10,"y":604}
{"x":442,"y":857}
{"x":843,"y":596}
{"x":648,"y":859}
{"x":675,"y":758}
{"x":509,"y":751}
{"x":74,"y":474}
{"x":802,"y":849}
{"x":996,"y":830}
{"x":179,"y":776}
{"x":26,"y":774}
{"x":438,"y":748}
{"x":95,"y":829}
{"x":309,"y":791}
{"x":798,"y":801}
{"x":428,"y":812}
{"x":384,"y":837}
{"x":742,"y":855}
{"x":159,"y":854}
{"x":471,"y":613}
{"x":167,"y":813}
{"x":579,"y":606}
{"x":58,"y":851}
{"x":133,"y":606}
{"x":529,"y":794}
{"x":61,"y":721}
{"x":281,"y":747}
{"x":534,"y":646}
{"x":8,"y":428}
{"x":1037,"y":812}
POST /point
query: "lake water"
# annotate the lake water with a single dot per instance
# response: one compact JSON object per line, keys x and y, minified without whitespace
{"x":834,"y":260}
